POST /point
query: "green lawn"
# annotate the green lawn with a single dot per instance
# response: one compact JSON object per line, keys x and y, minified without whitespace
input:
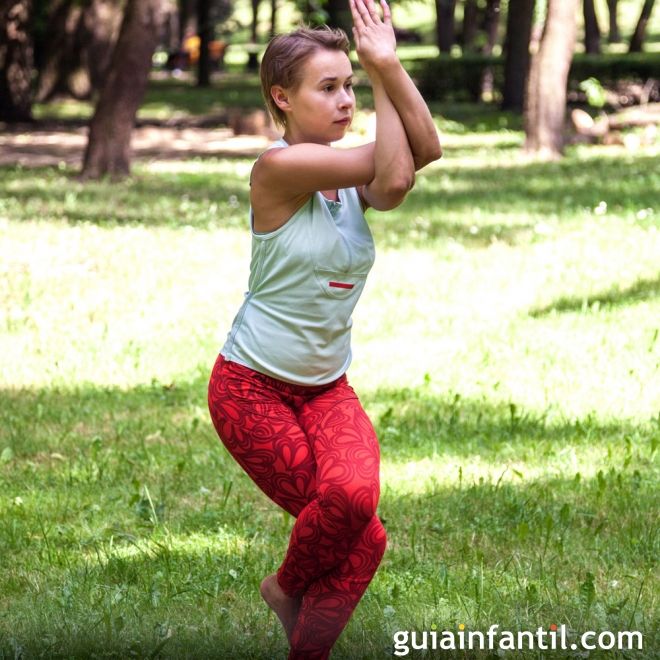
{"x":507,"y":347}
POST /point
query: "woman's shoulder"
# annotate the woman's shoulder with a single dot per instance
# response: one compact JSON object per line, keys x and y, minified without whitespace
{"x":264,"y":156}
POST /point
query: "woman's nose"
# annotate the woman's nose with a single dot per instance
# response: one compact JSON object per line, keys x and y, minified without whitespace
{"x":347,"y":99}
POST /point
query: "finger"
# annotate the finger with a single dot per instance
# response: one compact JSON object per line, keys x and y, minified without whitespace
{"x":359,"y":13}
{"x":358,"y":21}
{"x":364,"y":12}
{"x":387,"y":14}
{"x":373,"y":12}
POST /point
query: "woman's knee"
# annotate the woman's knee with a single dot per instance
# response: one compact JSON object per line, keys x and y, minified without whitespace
{"x":349,"y":505}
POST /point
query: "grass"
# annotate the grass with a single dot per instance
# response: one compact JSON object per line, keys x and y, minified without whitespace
{"x":506,"y":347}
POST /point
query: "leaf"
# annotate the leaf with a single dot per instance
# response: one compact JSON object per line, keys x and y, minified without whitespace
{"x":7,"y":455}
{"x":588,"y":591}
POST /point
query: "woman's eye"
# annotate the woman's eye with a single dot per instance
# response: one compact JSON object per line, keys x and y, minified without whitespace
{"x":328,"y":88}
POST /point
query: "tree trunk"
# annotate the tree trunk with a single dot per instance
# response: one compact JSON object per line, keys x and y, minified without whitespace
{"x":339,"y":15}
{"x":273,"y":18}
{"x":78,"y":48}
{"x":205,"y":32}
{"x":49,"y":26}
{"x":614,"y":36}
{"x":253,"y":61}
{"x":16,"y":61}
{"x":637,"y":40}
{"x":470,"y":24}
{"x":516,"y":52}
{"x":491,"y":24}
{"x":109,"y":144}
{"x":60,"y":52}
{"x":546,"y":88}
{"x":187,"y":20}
{"x":591,"y":28}
{"x":445,"y":10}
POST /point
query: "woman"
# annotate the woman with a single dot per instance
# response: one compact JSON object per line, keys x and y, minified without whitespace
{"x":278,"y":395}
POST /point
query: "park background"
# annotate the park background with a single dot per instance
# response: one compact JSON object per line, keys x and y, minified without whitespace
{"x":506,"y":347}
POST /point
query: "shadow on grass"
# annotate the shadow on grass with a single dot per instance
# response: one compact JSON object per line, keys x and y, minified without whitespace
{"x":446,"y":203}
{"x":644,"y":289}
{"x":485,"y":550}
{"x":146,"y":200}
{"x":569,"y":186}
{"x":410,"y":423}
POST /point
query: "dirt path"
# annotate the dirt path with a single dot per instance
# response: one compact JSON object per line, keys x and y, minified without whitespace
{"x":42,"y":144}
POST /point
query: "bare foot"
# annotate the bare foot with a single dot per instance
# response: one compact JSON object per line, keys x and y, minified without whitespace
{"x":284,"y":606}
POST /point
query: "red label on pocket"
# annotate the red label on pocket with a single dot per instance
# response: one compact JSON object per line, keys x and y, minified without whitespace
{"x":341,"y":285}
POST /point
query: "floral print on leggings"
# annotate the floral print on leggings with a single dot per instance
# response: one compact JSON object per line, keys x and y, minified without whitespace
{"x":313,"y":451}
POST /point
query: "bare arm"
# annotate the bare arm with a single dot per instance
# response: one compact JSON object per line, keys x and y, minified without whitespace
{"x":394,"y":164}
{"x":394,"y":167}
{"x":384,"y":63}
{"x":415,"y":116}
{"x":308,"y":167}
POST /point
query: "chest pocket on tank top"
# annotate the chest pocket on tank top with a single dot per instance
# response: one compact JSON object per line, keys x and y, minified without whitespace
{"x":336,"y":271}
{"x":338,"y":284}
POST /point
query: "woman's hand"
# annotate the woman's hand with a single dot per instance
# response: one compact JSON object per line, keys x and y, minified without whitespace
{"x":375,"y":42}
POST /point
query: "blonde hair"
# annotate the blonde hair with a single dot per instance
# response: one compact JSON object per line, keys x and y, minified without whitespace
{"x":285,"y":55}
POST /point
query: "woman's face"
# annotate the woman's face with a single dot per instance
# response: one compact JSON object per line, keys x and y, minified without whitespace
{"x":321,"y":108}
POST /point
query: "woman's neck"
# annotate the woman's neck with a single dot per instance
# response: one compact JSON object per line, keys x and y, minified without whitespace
{"x":292,"y":136}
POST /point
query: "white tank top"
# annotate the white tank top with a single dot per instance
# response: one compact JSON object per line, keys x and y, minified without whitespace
{"x":305,"y":280}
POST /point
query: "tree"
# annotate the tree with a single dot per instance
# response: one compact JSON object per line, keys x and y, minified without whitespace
{"x":76,"y":46}
{"x":445,"y":27}
{"x":209,"y":14}
{"x":253,"y":61}
{"x":339,"y":14}
{"x":273,"y":18}
{"x":205,"y":32}
{"x":545,"y":106}
{"x":187,"y":19}
{"x":516,"y":53}
{"x":637,"y":40}
{"x":16,"y":60}
{"x":491,"y":25}
{"x":591,"y":28}
{"x":470,"y":24}
{"x":614,"y":36}
{"x":108,"y":147}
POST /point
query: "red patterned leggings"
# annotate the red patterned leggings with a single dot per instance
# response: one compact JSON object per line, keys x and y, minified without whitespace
{"x":314,"y":452}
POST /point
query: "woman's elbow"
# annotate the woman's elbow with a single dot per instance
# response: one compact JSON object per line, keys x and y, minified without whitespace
{"x":432,"y":153}
{"x":390,"y":196}
{"x":398,"y":188}
{"x":386,"y":202}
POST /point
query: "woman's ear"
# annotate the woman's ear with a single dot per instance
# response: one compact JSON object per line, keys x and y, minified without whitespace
{"x":281,"y":98}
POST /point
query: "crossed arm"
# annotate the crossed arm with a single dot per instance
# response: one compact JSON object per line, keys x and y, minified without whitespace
{"x":406,"y":138}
